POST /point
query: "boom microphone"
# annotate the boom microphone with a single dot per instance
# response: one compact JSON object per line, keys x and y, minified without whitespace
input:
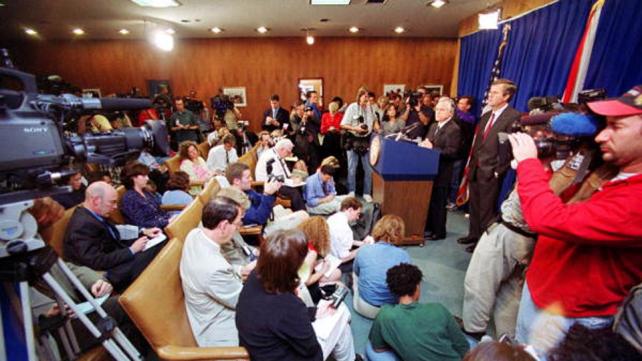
{"x":69,"y":101}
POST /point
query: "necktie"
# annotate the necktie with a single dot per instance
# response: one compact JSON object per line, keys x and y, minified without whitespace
{"x":274,"y":113}
{"x":489,"y":126}
{"x":227,"y":157}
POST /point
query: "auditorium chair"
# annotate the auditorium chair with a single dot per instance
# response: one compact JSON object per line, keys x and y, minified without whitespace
{"x":54,"y":235}
{"x":156,"y":304}
{"x":209,"y":190}
{"x":204,"y":149}
{"x":188,"y":219}
{"x":173,"y":164}
{"x":116,"y":216}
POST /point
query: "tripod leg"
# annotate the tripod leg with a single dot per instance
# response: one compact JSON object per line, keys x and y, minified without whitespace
{"x":27,"y":320}
{"x":119,"y":337}
{"x":109,"y":344}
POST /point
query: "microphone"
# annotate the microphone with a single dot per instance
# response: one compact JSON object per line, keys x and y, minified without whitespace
{"x":574,"y":124}
{"x":70,"y":101}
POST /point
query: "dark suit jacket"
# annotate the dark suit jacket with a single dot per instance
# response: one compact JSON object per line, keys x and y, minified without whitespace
{"x":448,"y":142}
{"x":88,"y":242}
{"x":282,"y":116}
{"x":484,"y":163}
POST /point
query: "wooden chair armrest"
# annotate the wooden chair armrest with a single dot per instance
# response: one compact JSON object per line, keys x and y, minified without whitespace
{"x":202,"y":353}
{"x":196,"y":183}
{"x":251,"y":231}
{"x":173,"y":207}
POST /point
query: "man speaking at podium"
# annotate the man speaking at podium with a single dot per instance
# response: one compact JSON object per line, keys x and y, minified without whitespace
{"x":444,"y":136}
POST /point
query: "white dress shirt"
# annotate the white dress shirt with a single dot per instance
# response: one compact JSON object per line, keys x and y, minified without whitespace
{"x":218,"y":158}
{"x":279,"y":167}
{"x":341,"y":235}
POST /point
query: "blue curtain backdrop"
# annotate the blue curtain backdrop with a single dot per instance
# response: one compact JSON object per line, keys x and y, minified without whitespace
{"x":538,"y":57}
{"x":541,"y":48}
{"x":478,"y":51}
{"x":617,"y":53}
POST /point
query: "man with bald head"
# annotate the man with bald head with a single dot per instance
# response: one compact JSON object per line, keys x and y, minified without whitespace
{"x":92,"y":241}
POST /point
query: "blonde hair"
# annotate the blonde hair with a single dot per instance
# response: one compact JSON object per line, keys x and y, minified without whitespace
{"x":317,"y":233}
{"x":390,"y":229}
{"x":333,"y":107}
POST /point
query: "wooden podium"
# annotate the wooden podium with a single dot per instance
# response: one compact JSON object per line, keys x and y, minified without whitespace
{"x":402,"y":183}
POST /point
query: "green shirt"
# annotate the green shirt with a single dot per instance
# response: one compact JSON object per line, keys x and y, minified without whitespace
{"x":418,"y":332}
{"x":185,"y":117}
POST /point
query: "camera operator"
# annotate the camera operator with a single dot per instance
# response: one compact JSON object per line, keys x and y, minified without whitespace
{"x":305,"y":132}
{"x":588,"y":255}
{"x":272,"y":165}
{"x":184,"y":123}
{"x":358,"y":121}
{"x":416,"y":116}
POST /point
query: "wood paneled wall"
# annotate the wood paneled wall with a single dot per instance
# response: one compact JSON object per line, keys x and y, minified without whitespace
{"x":510,"y":8}
{"x":263,"y":66}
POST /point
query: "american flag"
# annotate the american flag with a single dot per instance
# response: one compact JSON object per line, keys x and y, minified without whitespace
{"x":495,"y":73}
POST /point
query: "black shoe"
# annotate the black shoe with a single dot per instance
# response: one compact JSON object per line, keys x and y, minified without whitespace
{"x":467,"y":240}
{"x":476,"y":335}
{"x":428,"y":234}
{"x":471,"y":248}
{"x":435,"y":237}
{"x":358,"y":357}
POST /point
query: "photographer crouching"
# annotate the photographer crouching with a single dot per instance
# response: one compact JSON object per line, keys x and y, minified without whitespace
{"x":358,"y":121}
{"x":588,"y":254}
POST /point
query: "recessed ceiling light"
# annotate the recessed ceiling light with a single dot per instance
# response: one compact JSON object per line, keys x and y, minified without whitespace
{"x":262,"y":29}
{"x":309,"y":39}
{"x":123,"y":31}
{"x":329,"y":2}
{"x":157,"y":3}
{"x":216,"y":30}
{"x":438,"y":3}
{"x":353,"y":29}
{"x":78,"y":31}
{"x":163,"y":40}
{"x":399,"y":30}
{"x":170,"y":31}
{"x":31,"y":32}
{"x":488,"y":21}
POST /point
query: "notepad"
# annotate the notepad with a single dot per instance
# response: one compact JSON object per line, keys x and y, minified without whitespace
{"x":86,"y":307}
{"x":154,"y":241}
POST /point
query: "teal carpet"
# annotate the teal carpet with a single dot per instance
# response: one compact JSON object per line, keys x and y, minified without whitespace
{"x":443,"y":264}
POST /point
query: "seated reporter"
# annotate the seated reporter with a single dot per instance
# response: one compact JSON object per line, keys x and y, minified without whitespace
{"x":177,"y":190}
{"x":210,"y":283}
{"x":194,"y":165}
{"x":373,"y":261}
{"x":320,"y":193}
{"x":272,"y":163}
{"x":316,"y":265}
{"x":273,"y":323}
{"x":261,"y":205}
{"x":411,"y":330}
{"x":92,"y":240}
{"x":140,"y":207}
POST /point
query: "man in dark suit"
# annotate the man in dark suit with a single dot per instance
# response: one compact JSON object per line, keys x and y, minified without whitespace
{"x":444,"y":136}
{"x":92,"y":241}
{"x":275,"y":116}
{"x":485,"y":169}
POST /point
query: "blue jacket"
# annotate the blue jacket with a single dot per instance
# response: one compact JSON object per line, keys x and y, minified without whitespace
{"x":260,"y":208}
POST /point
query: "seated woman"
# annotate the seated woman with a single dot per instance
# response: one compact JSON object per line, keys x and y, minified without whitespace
{"x":373,"y":261}
{"x":139,"y":206}
{"x":273,"y":323}
{"x":316,"y":265}
{"x":194,"y":165}
{"x":177,"y":191}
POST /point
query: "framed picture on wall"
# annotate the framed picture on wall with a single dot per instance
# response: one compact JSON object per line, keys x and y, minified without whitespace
{"x":91,"y":93}
{"x":237,"y":95}
{"x":308,"y":84}
{"x":393,"y":88}
{"x":433,"y":88}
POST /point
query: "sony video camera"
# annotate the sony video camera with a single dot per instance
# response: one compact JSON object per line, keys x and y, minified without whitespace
{"x":36,"y":152}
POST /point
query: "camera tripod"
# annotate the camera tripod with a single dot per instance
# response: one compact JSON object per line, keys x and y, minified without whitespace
{"x":25,"y":260}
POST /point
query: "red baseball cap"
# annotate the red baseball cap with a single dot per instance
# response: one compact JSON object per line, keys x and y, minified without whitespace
{"x":628,"y":104}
